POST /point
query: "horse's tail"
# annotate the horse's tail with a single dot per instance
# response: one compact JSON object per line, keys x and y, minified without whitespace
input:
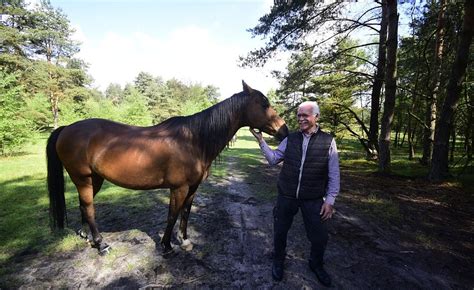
{"x":57,"y":202}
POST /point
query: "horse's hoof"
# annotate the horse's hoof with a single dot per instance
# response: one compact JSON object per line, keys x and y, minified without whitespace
{"x":104,"y":249}
{"x":187,"y":245}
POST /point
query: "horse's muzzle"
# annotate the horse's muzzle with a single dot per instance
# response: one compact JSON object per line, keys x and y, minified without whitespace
{"x":282,"y":133}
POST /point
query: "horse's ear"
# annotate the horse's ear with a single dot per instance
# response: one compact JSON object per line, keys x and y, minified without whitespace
{"x":247,"y":88}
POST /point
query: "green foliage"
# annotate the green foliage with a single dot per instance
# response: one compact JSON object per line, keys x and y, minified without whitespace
{"x":15,"y":128}
{"x":114,"y":93}
{"x":102,"y":108}
{"x":38,"y":111}
{"x":334,"y":82}
{"x":200,"y":98}
{"x":135,"y":110}
{"x":50,"y":33}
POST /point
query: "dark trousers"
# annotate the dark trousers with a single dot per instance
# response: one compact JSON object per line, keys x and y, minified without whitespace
{"x":316,"y":229}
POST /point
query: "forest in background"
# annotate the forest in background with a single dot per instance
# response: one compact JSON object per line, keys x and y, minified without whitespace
{"x":43,"y":85}
{"x":410,"y":92}
{"x":387,"y":90}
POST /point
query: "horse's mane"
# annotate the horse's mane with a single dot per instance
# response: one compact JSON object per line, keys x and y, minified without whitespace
{"x":210,"y":127}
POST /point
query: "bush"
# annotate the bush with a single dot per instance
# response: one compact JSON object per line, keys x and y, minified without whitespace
{"x":15,"y":128}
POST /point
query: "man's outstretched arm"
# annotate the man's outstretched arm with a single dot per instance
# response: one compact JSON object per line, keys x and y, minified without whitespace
{"x":273,"y":156}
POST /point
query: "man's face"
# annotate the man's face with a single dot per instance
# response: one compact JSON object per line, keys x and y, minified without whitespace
{"x":306,"y":119}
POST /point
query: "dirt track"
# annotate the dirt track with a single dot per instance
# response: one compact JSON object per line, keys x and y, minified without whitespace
{"x":231,"y":232}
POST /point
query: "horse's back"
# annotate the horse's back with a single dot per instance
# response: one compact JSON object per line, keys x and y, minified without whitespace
{"x":132,"y":157}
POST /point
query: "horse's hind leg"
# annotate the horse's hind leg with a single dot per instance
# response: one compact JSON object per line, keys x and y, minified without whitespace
{"x":177,"y":198}
{"x":183,"y":225}
{"x":85,"y":231}
{"x":87,"y":188}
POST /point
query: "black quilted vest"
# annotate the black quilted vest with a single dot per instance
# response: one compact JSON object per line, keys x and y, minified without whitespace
{"x":315,"y":169}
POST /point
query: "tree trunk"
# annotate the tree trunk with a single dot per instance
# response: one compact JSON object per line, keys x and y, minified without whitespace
{"x":411,"y":129}
{"x":430,"y":117}
{"x":397,"y":133}
{"x":439,"y":165}
{"x":411,"y":145}
{"x":404,"y":137}
{"x":390,"y":87}
{"x":453,"y":143}
{"x":469,"y":135}
{"x":54,"y":109}
{"x":53,"y":98}
{"x":377,"y":85}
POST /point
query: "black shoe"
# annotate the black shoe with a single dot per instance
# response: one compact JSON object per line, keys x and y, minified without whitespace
{"x":322,"y":275}
{"x":277,"y":270}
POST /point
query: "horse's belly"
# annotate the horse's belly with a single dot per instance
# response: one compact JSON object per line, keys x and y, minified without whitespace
{"x":132,"y":175}
{"x":143,"y":174}
{"x":136,"y":181}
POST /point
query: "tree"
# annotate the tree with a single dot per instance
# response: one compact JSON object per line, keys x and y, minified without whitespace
{"x":200,"y":99}
{"x":114,"y":93}
{"x":287,"y":26}
{"x":135,"y":110}
{"x":50,"y":37}
{"x":315,"y":27}
{"x":439,"y":165}
{"x":15,"y":128}
{"x":434,"y":86}
{"x":377,"y":85}
{"x":390,"y":87}
{"x":14,"y":22}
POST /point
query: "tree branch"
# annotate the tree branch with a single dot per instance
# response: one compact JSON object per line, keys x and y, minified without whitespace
{"x":419,"y":120}
{"x":359,"y":121}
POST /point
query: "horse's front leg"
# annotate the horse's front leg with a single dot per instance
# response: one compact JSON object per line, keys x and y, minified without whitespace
{"x":177,"y":198}
{"x":183,"y":225}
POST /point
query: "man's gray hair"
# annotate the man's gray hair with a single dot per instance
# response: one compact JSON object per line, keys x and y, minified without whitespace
{"x":314,"y":106}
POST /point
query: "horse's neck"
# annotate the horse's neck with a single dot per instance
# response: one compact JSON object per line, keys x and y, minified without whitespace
{"x":232,"y":124}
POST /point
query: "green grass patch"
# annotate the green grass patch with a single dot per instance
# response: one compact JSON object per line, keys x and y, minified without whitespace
{"x":24,"y":217}
{"x":250,"y":164}
{"x":424,"y":240}
{"x":68,"y":243}
{"x":382,"y":208}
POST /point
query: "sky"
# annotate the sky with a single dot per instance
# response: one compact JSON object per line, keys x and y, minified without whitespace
{"x":196,"y":41}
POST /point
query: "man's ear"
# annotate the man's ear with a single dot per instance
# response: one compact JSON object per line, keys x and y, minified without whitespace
{"x":247,"y":89}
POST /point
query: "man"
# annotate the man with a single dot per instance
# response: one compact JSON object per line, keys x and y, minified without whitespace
{"x":309,"y":180}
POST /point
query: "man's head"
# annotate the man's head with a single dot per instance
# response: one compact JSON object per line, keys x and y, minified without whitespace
{"x":308,"y":115}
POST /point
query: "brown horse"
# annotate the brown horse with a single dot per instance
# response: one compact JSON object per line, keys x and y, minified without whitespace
{"x":175,"y":154}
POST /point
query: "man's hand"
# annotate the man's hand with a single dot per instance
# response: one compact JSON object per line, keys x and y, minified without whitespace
{"x":257,"y":135}
{"x":327,"y":211}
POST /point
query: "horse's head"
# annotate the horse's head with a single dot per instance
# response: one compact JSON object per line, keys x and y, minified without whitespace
{"x":260,"y":115}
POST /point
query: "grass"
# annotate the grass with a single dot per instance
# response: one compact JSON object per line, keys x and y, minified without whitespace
{"x":23,"y":201}
{"x":425,"y":240}
{"x":250,"y":164}
{"x":352,"y":156}
{"x":385,"y":209}
{"x":68,"y":243}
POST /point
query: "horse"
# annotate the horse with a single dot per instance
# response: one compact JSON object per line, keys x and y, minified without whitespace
{"x":175,"y":154}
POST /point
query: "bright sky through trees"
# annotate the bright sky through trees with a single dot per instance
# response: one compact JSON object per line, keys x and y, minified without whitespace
{"x":194,"y":41}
